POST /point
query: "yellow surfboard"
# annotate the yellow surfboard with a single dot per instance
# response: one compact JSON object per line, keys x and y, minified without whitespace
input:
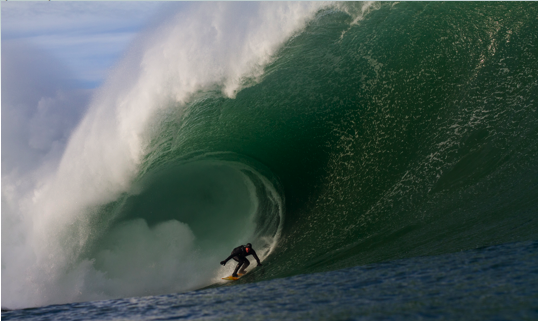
{"x":233,"y":278}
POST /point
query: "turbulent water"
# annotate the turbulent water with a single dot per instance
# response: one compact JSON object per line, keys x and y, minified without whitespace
{"x":329,"y":136}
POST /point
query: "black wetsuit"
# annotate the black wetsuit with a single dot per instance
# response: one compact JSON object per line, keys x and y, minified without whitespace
{"x":239,"y":254}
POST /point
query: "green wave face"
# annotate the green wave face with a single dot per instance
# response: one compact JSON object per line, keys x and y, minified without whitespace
{"x":411,"y":132}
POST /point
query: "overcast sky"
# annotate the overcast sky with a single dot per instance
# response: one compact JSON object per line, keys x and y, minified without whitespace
{"x":54,"y":54}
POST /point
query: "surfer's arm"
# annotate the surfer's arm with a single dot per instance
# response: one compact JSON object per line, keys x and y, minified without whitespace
{"x":256,"y":257}
{"x":227,"y":259}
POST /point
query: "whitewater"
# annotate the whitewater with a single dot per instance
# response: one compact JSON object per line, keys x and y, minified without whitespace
{"x":329,"y":135}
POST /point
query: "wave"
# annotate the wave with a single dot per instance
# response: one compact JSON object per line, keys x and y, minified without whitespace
{"x":328,"y":135}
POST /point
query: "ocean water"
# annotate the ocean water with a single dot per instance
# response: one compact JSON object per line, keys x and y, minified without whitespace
{"x":382,"y":158}
{"x":492,"y":283}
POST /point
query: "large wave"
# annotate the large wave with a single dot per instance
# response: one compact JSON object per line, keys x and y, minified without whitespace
{"x":327,"y":135}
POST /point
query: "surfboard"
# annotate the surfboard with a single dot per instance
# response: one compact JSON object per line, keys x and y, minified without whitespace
{"x":233,"y":278}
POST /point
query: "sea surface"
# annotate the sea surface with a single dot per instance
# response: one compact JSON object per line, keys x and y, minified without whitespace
{"x":492,"y":283}
{"x":382,"y":158}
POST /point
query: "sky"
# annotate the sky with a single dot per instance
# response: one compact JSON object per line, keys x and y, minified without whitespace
{"x":54,"y":56}
{"x":88,"y":37}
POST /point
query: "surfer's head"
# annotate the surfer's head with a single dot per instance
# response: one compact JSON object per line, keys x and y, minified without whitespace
{"x":248,"y":246}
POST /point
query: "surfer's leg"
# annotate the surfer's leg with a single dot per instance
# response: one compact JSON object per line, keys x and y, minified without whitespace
{"x":237,"y":268}
{"x":246,"y":263}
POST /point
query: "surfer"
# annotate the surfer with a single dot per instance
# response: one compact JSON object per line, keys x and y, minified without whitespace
{"x":239,"y":254}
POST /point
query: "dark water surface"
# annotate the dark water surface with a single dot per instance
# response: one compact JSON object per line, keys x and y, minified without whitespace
{"x":493,"y":283}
